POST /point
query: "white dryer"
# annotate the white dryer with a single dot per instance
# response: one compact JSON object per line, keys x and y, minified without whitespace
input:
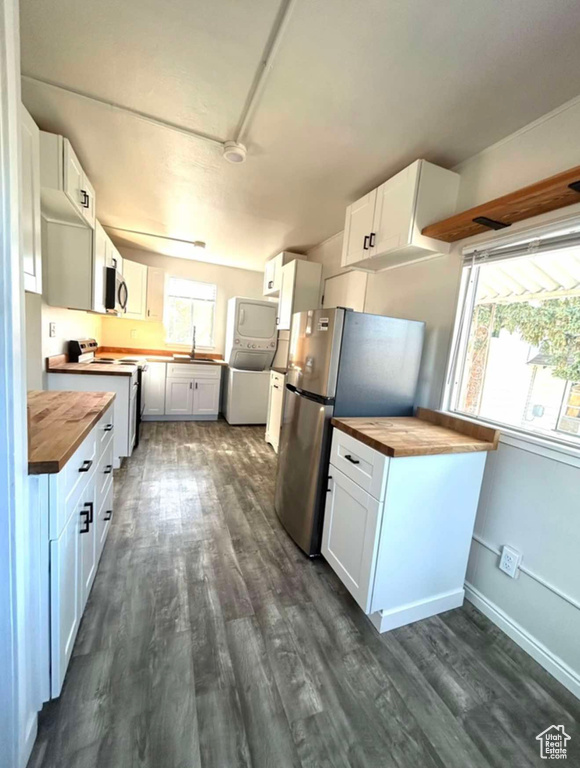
{"x":251,"y":333}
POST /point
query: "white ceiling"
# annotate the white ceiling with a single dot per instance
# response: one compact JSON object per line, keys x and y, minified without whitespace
{"x":358,"y":90}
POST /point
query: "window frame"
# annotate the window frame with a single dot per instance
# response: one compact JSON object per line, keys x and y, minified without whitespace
{"x":213,"y":301}
{"x":547,"y":445}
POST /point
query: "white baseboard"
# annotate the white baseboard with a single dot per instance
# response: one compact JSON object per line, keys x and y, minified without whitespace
{"x":407,"y":614}
{"x":212,"y":417}
{"x":552,"y":663}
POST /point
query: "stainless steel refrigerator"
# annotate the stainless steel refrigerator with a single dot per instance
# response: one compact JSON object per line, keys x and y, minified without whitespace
{"x":341,"y":363}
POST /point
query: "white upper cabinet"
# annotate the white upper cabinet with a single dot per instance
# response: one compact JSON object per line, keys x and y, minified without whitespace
{"x":155,"y":293}
{"x":135,"y":275}
{"x":273,"y":271}
{"x":67,"y":193}
{"x":383,"y":229}
{"x":100,"y":261}
{"x":30,"y":229}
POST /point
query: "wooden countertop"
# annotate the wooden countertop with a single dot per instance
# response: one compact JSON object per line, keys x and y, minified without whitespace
{"x":60,"y":364}
{"x":58,"y":424}
{"x":157,"y":356}
{"x":427,"y":433}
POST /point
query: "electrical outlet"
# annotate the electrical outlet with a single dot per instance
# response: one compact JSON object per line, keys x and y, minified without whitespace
{"x":52,"y":330}
{"x":133,"y":333}
{"x":510,"y":561}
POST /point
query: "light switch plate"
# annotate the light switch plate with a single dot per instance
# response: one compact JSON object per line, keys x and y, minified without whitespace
{"x":52,"y":330}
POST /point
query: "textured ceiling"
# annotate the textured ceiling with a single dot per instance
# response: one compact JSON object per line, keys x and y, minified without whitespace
{"x":358,"y":90}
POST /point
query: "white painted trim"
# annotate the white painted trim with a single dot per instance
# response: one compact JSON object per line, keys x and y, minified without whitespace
{"x":552,"y":663}
{"x":532,"y":574}
{"x":384,"y":621}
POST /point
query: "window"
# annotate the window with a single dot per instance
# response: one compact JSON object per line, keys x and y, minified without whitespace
{"x":189,"y":305}
{"x":516,"y":360}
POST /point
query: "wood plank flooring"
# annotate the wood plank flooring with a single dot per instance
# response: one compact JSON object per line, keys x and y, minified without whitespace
{"x":210,"y":641}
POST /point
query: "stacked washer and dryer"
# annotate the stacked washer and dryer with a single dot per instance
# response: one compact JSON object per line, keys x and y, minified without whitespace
{"x":251,"y":338}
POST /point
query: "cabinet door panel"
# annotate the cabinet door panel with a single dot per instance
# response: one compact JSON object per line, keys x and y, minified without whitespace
{"x":88,"y":541}
{"x":178,"y":396}
{"x":394,"y":211}
{"x":100,"y":261}
{"x":154,"y":389}
{"x":65,"y":603}
{"x":288,"y":277}
{"x":89,"y":207}
{"x":30,"y":222}
{"x":358,"y":225}
{"x":206,"y":397}
{"x":155,"y":293}
{"x":73,"y":176}
{"x":135,"y":276}
{"x":275,"y":413}
{"x":103,"y":522}
{"x":350,"y":535}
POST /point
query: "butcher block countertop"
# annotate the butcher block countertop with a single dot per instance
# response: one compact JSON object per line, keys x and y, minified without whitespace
{"x":58,"y":424}
{"x":427,"y":433}
{"x":158,"y":356}
{"x":60,"y":364}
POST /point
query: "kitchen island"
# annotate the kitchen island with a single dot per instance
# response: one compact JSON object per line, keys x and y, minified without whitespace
{"x":400,"y":511}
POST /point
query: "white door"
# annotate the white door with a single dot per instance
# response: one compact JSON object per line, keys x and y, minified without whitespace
{"x":73,"y":177}
{"x":88,"y":201}
{"x":65,"y":604}
{"x":275,"y":412}
{"x":88,"y":540}
{"x":100,"y":247}
{"x":135,"y":275}
{"x":393,"y":219}
{"x":30,"y":222}
{"x":206,"y":396}
{"x":154,"y":389}
{"x":178,"y":396}
{"x":155,"y":293}
{"x":288,"y":277}
{"x":357,"y":229}
{"x":270,"y":278}
{"x":350,"y":536}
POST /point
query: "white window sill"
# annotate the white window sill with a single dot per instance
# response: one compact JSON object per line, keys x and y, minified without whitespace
{"x":551,"y":449}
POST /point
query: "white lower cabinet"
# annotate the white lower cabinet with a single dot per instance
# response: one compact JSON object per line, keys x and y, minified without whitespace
{"x":397,"y":531}
{"x":154,"y":389}
{"x":181,"y":391}
{"x":275,"y":409}
{"x":80,"y":514}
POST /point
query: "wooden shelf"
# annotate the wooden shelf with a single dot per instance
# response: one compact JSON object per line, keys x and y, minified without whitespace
{"x":546,"y":195}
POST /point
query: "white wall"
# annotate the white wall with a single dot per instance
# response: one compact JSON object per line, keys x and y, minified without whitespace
{"x":528,"y":500}
{"x":69,"y":324}
{"x":230,"y":282}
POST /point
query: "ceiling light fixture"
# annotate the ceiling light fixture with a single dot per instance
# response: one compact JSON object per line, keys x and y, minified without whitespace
{"x":234,"y":152}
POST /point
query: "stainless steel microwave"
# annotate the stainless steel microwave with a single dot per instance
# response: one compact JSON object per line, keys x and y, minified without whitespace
{"x":116,"y":292}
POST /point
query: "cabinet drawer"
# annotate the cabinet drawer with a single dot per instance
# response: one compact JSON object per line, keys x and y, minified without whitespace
{"x":192,"y":371}
{"x":80,"y":465}
{"x":363,"y":465}
{"x":277,"y":378}
{"x":104,"y":472}
{"x":105,"y":428}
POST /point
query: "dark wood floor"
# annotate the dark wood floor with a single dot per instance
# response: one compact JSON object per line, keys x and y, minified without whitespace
{"x":210,"y":640}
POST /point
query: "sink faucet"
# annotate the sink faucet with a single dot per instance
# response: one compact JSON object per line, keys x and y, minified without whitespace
{"x":193,"y":345}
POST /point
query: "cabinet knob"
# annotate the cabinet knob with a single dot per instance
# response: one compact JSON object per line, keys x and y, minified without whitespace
{"x":348,"y":457}
{"x":108,"y":514}
{"x":372,"y":239}
{"x":86,"y":465}
{"x":328,"y":488}
{"x":366,"y":242}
